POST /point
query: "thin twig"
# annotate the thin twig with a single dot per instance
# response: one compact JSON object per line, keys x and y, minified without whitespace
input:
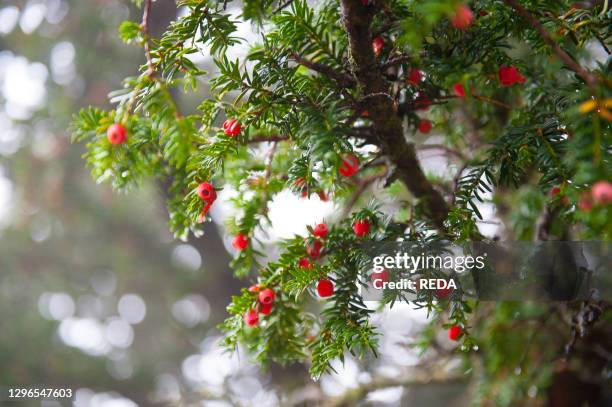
{"x":268,"y":165}
{"x":588,"y":77}
{"x":145,"y":32}
{"x":544,"y":223}
{"x":456,"y":181}
{"x":326,"y":70}
{"x":383,"y":29}
{"x":376,"y":95}
{"x":269,"y":139}
{"x":396,"y":61}
{"x":448,"y":150}
{"x":282,"y":6}
{"x":603,"y":44}
{"x":266,"y":179}
{"x":363,"y":185}
{"x":492,"y":101}
{"x":418,"y":378}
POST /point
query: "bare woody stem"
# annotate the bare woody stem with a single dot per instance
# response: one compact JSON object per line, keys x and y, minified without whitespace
{"x":145,"y":31}
{"x":396,"y":61}
{"x":342,"y":78}
{"x":587,"y":76}
{"x":362,"y":186}
{"x":268,"y":139}
{"x":387,"y":125}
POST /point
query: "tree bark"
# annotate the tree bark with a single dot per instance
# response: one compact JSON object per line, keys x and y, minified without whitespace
{"x":382,"y":111}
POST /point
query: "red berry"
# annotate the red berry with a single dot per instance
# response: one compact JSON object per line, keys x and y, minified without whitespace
{"x":323,"y":196}
{"x":325,"y":288}
{"x":251,"y":318}
{"x":414,"y":76}
{"x":265,"y":309}
{"x":425,"y":126}
{"x":378,"y":278}
{"x":601,"y":192}
{"x":206,"y":192}
{"x":116,"y":134}
{"x":463,"y":17}
{"x":254,"y":288}
{"x":304,"y":263}
{"x":422,"y":102}
{"x":231,"y":127}
{"x":266,"y":296}
{"x":314,"y":249}
{"x":509,"y":75}
{"x":454,"y":332}
{"x":585,"y":203}
{"x":299,"y":182}
{"x":483,"y":13}
{"x":349,"y":166}
{"x":459,"y":90}
{"x":556,"y":191}
{"x":320,"y":230}
{"x":443,"y":292}
{"x":377,"y":45}
{"x":365,"y":113}
{"x":361,"y":227}
{"x":240,"y":242}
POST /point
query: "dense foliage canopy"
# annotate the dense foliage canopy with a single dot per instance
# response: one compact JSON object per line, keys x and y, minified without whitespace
{"x":337,"y":100}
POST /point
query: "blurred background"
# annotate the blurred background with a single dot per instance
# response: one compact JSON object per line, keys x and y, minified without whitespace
{"x":95,"y":294}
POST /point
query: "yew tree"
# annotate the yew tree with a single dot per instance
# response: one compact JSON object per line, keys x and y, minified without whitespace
{"x":335,"y":101}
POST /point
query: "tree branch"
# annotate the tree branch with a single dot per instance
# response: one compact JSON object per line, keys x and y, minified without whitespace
{"x":396,"y":61}
{"x":588,"y":77}
{"x":444,"y":148}
{"x":145,"y":31}
{"x":328,"y":71}
{"x":416,"y":379}
{"x":269,"y":139}
{"x":282,"y":7}
{"x":491,"y":101}
{"x":382,"y":111}
{"x":362,"y":186}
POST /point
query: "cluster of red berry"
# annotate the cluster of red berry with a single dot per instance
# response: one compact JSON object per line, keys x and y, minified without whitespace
{"x":599,"y":194}
{"x":508,"y":76}
{"x":461,"y":19}
{"x":325,"y":288}
{"x":265,"y":300}
{"x":231,"y":128}
{"x":304,"y":192}
{"x":116,"y":133}
{"x":314,"y":245}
